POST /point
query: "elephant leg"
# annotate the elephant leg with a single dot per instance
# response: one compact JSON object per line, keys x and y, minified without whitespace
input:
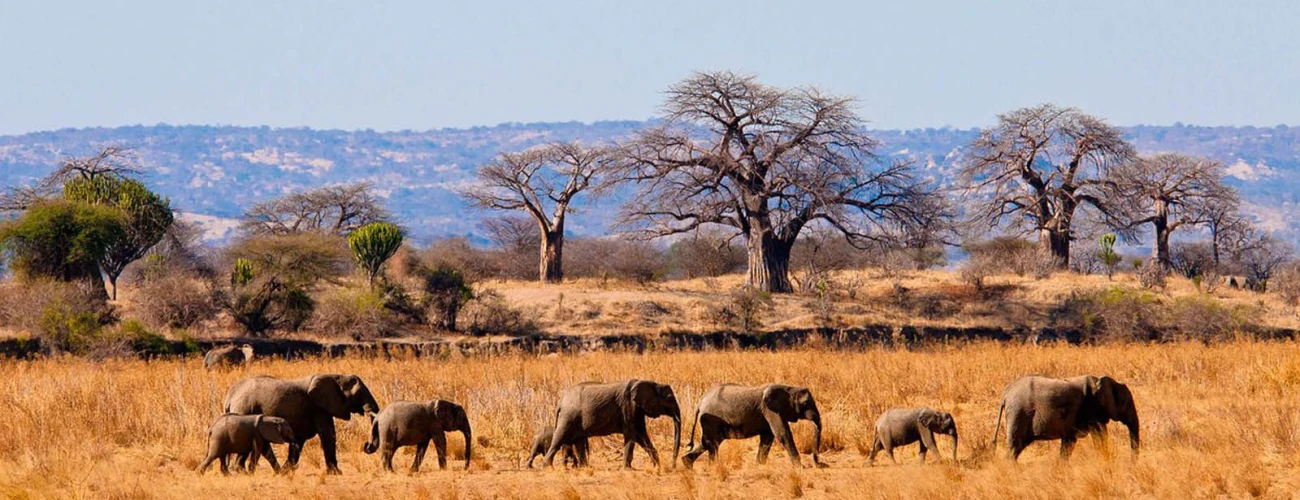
{"x":787,"y":441}
{"x":1067,"y":446}
{"x":420,"y":449}
{"x":580,"y":453}
{"x":764,"y":446}
{"x":269,"y":455}
{"x":643,"y":439}
{"x":207,"y":462}
{"x":328,"y":444}
{"x":629,"y":445}
{"x":225,"y":465}
{"x":711,"y":432}
{"x":386,"y":458}
{"x":440,"y":447}
{"x":566,"y":432}
{"x":921,"y":455}
{"x":252,"y":458}
{"x":295,"y":452}
{"x":875,"y":448}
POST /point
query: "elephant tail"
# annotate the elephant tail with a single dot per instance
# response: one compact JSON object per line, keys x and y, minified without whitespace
{"x":998,"y":424}
{"x":695,"y":421}
{"x":373,"y":444}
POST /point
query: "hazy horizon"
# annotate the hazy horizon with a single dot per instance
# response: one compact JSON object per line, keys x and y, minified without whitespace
{"x":416,"y":66}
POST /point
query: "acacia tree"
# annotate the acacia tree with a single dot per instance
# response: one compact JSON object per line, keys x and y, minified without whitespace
{"x":1037,"y":166}
{"x":1167,"y":191}
{"x":148,"y":218}
{"x":765,"y":162}
{"x":542,"y":182}
{"x":337,"y":209}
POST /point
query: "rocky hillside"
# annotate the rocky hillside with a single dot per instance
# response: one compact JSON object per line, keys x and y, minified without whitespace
{"x":213,"y":173}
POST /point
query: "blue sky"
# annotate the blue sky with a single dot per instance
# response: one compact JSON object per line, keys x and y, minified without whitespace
{"x":419,"y":65}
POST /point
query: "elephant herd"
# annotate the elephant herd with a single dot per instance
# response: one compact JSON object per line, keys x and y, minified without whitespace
{"x":260,"y":411}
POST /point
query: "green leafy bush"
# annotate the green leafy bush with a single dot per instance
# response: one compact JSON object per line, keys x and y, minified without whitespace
{"x":372,"y":245}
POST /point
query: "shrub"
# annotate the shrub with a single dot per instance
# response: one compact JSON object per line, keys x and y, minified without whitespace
{"x":608,"y":258}
{"x":743,"y":309}
{"x":445,"y":291}
{"x":372,"y":245}
{"x":69,"y":316}
{"x":1110,"y":315}
{"x":1261,"y":261}
{"x":1191,"y":260}
{"x":1008,"y":255}
{"x":1287,"y":284}
{"x":356,"y":313}
{"x":1203,"y":318}
{"x":473,"y":263}
{"x":705,"y":254}
{"x":977,"y":268}
{"x":488,"y":313}
{"x":273,"y":276}
{"x":175,"y":301}
{"x":1152,"y":275}
{"x":1110,"y":259}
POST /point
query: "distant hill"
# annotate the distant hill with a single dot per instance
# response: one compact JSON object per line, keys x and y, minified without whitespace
{"x":214,"y":173}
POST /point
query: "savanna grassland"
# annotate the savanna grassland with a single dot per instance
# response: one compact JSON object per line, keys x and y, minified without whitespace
{"x":1217,"y":420}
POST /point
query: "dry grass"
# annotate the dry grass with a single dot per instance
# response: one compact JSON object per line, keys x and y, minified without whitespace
{"x":595,"y":307}
{"x":1220,"y":420}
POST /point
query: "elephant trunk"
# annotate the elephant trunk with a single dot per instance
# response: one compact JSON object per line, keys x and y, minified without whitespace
{"x":954,"y":446}
{"x":817,"y":438}
{"x":1133,"y":431}
{"x":469,"y":444}
{"x":677,"y":439}
{"x":373,"y":444}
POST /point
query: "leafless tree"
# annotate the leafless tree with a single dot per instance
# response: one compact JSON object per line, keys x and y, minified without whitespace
{"x":1166,"y":191}
{"x":1231,"y":232}
{"x":513,"y":234}
{"x":338,"y":209}
{"x":767,"y":162}
{"x":542,"y":182}
{"x":1037,"y":166}
{"x":111,"y":161}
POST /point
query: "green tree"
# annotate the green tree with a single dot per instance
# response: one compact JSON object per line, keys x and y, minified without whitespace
{"x":62,"y":240}
{"x":1109,"y":257}
{"x":147,"y":215}
{"x":274,"y":276}
{"x":372,"y":245}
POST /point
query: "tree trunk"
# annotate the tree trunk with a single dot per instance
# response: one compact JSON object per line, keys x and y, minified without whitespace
{"x":1160,"y":250}
{"x":552,"y":262}
{"x":769,"y":262}
{"x":1057,"y":244}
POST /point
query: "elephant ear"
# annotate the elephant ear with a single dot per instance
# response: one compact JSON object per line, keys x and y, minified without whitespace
{"x":780,"y":400}
{"x":928,"y":419}
{"x":1106,"y":391}
{"x":640,"y":394}
{"x":326,"y":394}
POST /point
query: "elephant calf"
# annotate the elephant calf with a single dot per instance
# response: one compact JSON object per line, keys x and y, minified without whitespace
{"x":228,"y":356}
{"x":730,"y":411}
{"x":1041,"y":408}
{"x":903,"y":426}
{"x":575,"y":455}
{"x":244,"y":435}
{"x":408,"y":423}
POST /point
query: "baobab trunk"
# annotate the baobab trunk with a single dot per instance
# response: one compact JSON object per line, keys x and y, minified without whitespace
{"x":769,"y":263}
{"x":1160,"y":250}
{"x":1056,"y":244}
{"x":552,"y":262}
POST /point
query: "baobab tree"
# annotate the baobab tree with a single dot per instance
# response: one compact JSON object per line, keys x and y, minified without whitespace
{"x":543,"y":182}
{"x":1166,"y":191}
{"x":1037,"y":166}
{"x":765,"y":162}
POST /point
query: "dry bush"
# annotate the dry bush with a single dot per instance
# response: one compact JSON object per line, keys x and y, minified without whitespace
{"x":705,"y":254}
{"x":1152,"y":276}
{"x":743,"y":309}
{"x":1011,"y":255}
{"x":1201,"y":317}
{"x":475,"y":264}
{"x":175,"y":301}
{"x":1287,"y":284}
{"x":355,"y":313}
{"x":609,"y":258}
{"x":488,"y":313}
{"x":68,"y":316}
{"x":1114,"y":314}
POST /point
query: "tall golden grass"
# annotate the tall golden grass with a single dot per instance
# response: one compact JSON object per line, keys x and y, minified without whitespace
{"x":1221,"y":420}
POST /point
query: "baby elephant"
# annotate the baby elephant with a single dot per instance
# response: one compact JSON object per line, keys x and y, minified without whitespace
{"x":409,"y":423}
{"x":242,"y":435}
{"x":904,"y":426}
{"x":228,"y":356}
{"x":574,"y":456}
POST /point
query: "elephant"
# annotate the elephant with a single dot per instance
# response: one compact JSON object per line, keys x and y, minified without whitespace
{"x":228,"y":356}
{"x":731,"y":411}
{"x":310,"y":404}
{"x":574,"y":455}
{"x":410,"y":423}
{"x":232,"y":434}
{"x":1041,"y":408}
{"x":594,"y":409}
{"x":904,"y":426}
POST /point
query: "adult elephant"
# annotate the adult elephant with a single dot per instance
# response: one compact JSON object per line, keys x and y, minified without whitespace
{"x":309,"y":404}
{"x":740,"y":412}
{"x":592,"y":409}
{"x":1041,"y":408}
